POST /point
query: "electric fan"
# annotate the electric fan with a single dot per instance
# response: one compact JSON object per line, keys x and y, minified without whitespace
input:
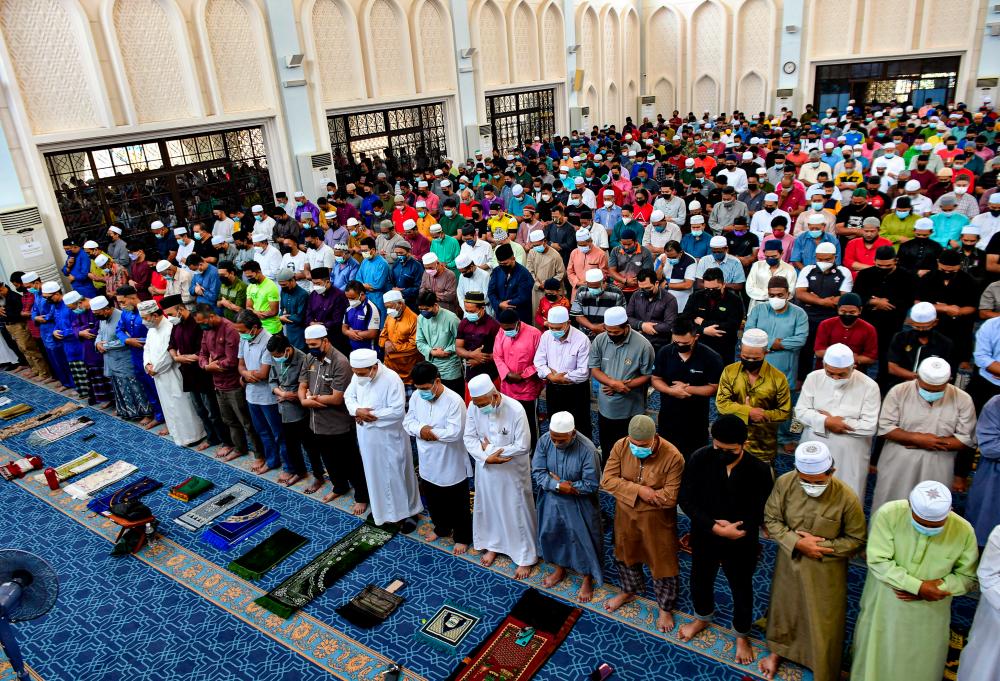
{"x":28,"y":589}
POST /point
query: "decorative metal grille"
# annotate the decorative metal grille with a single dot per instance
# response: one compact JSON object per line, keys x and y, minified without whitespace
{"x":175,"y":180}
{"x":411,"y":137}
{"x":518,"y":117}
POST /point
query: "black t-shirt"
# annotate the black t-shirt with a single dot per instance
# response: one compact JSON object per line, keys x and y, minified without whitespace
{"x":852,"y":216}
{"x":898,"y":287}
{"x":703,"y":367}
{"x":741,"y":246}
{"x":918,"y":254}
{"x":907,"y":351}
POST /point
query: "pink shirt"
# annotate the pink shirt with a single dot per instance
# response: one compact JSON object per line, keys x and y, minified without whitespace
{"x":517,"y":354}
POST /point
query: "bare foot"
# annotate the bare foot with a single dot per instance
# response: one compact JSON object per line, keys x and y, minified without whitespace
{"x":202,"y":446}
{"x":744,"y":651}
{"x":460,"y":549}
{"x":106,"y":405}
{"x":232,"y":455}
{"x":260,"y":467}
{"x":691,"y":629}
{"x":222,"y":451}
{"x":523,"y":571}
{"x":331,"y":496}
{"x":282,"y":478}
{"x":488,"y":558}
{"x":163,"y":432}
{"x":432,"y":536}
{"x":359,"y":509}
{"x":769,"y":665}
{"x":145,"y":421}
{"x":586,"y":592}
{"x":558,"y":575}
{"x":293,"y":480}
{"x":315,"y":486}
{"x":665,"y":622}
{"x":618,"y":601}
{"x":153,"y":423}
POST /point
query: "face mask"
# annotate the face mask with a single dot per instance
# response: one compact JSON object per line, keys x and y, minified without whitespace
{"x":777,"y":303}
{"x":197,"y":236}
{"x":683,"y":347}
{"x":848,"y":319}
{"x":889,"y":154}
{"x":719,"y":257}
{"x":697,"y":232}
{"x":902,"y":214}
{"x":608,"y":204}
{"x":427,"y":314}
{"x":339,"y":258}
{"x":472,"y":316}
{"x":930,"y":396}
{"x":368,"y":256}
{"x":510,"y":333}
{"x":174,"y":321}
{"x":640,"y":452}
{"x":585,"y":249}
{"x":558,"y":333}
{"x":573,"y":202}
{"x":594,"y":291}
{"x":78,"y":310}
{"x":354,"y":303}
{"x":167,"y":277}
{"x":160,"y":236}
{"x":246,"y":336}
{"x":539,"y":249}
{"x":617,"y":339}
{"x":316,"y":352}
{"x":205,"y":327}
{"x":546,"y":197}
{"x":426,"y":395}
{"x":752,"y":365}
{"x":258,"y":250}
{"x":33,"y":290}
{"x":813,"y":490}
{"x":448,"y":213}
{"x":148,"y":324}
{"x":926,"y":531}
{"x":727,"y":457}
{"x":279,"y":360}
{"x":487,"y":409}
{"x":363,"y":380}
{"x":354,"y":232}
{"x":824,"y":266}
{"x":772,"y":262}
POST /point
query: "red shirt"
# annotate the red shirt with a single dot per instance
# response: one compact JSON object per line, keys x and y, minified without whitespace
{"x":794,"y":200}
{"x":857,"y":251}
{"x":859,"y":336}
{"x":401,"y":216}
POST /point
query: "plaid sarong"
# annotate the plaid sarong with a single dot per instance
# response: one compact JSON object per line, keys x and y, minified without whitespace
{"x":81,"y":382}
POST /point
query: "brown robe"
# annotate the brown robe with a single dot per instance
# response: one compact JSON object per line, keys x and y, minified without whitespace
{"x":645,"y":533}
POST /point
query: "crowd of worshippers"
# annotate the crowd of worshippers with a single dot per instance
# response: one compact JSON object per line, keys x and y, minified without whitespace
{"x":805,"y":286}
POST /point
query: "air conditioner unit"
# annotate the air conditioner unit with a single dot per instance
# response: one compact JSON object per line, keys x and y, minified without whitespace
{"x":24,"y":244}
{"x":579,"y":118}
{"x":315,"y":170}
{"x":784,"y":93}
{"x":647,"y":106}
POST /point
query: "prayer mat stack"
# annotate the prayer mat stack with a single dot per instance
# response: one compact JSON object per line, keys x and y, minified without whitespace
{"x":523,"y":642}
{"x":28,"y":424}
{"x":210,"y":509}
{"x":255,"y":563}
{"x":324,"y":570}
{"x":242,"y":524}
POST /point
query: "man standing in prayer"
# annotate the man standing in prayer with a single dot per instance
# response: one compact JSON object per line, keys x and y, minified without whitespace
{"x":499,"y":440}
{"x":839,"y":407}
{"x":920,"y":556}
{"x":283,"y":380}
{"x":621,"y":360}
{"x":644,"y":474}
{"x":981,"y":656}
{"x":437,"y":331}
{"x":567,"y":469}
{"x":514,"y":355}
{"x":436,"y":418}
{"x":331,"y":440}
{"x":376,"y":399}
{"x":723,"y":492}
{"x":756,"y":392}
{"x":562,"y":360}
{"x":132,"y":333}
{"x":925,"y":423}
{"x":130,"y":400}
{"x":64,"y":335}
{"x":254,"y":367}
{"x":84,"y":327}
{"x":398,"y":338}
{"x":818,"y":524}
{"x":178,"y":413}
{"x":982,"y":509}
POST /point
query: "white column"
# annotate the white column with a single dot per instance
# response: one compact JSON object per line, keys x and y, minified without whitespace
{"x":989,"y":62}
{"x":468,"y":107}
{"x":569,"y":38}
{"x":790,"y":50}
{"x":10,"y":188}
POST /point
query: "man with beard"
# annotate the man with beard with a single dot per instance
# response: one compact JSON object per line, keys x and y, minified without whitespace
{"x":859,"y":254}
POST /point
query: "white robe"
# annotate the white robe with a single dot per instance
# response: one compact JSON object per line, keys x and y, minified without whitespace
{"x":981,"y":658}
{"x":385,"y":447}
{"x":858,"y":402}
{"x":503,"y":515}
{"x":443,"y":462}
{"x":178,"y":411}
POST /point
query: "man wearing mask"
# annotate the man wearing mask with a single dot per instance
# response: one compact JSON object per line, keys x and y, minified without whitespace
{"x":263,"y":297}
{"x":851,"y":218}
{"x":696,"y":242}
{"x":717,"y":311}
{"x":671,"y":205}
{"x":818,"y":291}
{"x":736,"y":178}
{"x":232,"y":290}
{"x":129,"y":398}
{"x":787,"y":328}
{"x":886,"y":293}
{"x":510,"y":285}
{"x":652,"y":309}
{"x":178,"y":281}
{"x":267,"y":257}
{"x":437,"y":330}
{"x":561,"y":235}
{"x":819,"y":525}
{"x":398,"y":338}
{"x":726,"y":211}
{"x":848,"y":329}
{"x":622,"y":362}
{"x":77,"y":268}
{"x":132,"y":333}
{"x":627,"y":260}
{"x":117,"y":248}
{"x":758,"y":393}
{"x":778,"y":230}
{"x":262,"y":222}
{"x":441,"y":281}
{"x":406,"y":273}
{"x":723,"y":492}
{"x":166,"y":244}
{"x":808,"y":219}
{"x":860,"y":254}
{"x":562,"y":361}
{"x":363,"y":320}
{"x":955,"y":296}
{"x":386,"y":240}
{"x":475,"y":249}
{"x":920,"y":253}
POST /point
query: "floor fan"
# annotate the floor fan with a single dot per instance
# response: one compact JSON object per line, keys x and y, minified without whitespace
{"x":28,"y":589}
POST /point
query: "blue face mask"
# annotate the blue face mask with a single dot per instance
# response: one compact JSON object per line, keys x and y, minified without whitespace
{"x":33,"y":290}
{"x":280,"y":360}
{"x":719,"y":257}
{"x":426,"y":395}
{"x":772,"y":262}
{"x":472,"y":316}
{"x":78,"y":310}
{"x":558,"y":333}
{"x":339,"y":259}
{"x":510,"y":333}
{"x":902,"y":214}
{"x":427,"y":314}
{"x":401,"y":258}
{"x":488,"y":409}
{"x":197,"y":236}
{"x":928,"y":531}
{"x":930,"y":396}
{"x":815,"y":233}
{"x":640,"y":452}
{"x":673,"y":261}
{"x":594,"y":291}
{"x":660,"y":228}
{"x":539,"y":249}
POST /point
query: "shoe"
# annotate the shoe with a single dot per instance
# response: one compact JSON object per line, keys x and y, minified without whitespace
{"x":408,"y":526}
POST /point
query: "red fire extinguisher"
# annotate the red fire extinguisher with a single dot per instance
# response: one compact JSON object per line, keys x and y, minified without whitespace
{"x":17,"y":469}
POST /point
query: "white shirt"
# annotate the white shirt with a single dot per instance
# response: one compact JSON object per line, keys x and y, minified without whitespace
{"x":480,"y":253}
{"x":479,"y":281}
{"x":650,"y":237}
{"x":736,"y":178}
{"x":320,"y":257}
{"x":443,"y":462}
{"x":988,"y":226}
{"x":599,"y":235}
{"x":269,"y":261}
{"x":265,"y":226}
{"x":223,"y":228}
{"x":589,"y":199}
{"x":184,"y":250}
{"x":760,"y":223}
{"x":921,"y":204}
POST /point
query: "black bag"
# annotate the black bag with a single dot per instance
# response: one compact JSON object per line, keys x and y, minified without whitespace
{"x":131,"y":510}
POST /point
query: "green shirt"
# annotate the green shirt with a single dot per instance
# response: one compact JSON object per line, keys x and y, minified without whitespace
{"x":261,"y":296}
{"x":895,"y":229}
{"x":446,"y":249}
{"x":236,"y":294}
{"x":452,"y":224}
{"x":440,"y":331}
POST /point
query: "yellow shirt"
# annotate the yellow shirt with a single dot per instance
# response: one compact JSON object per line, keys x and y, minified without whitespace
{"x":424,"y":224}
{"x":503,"y":221}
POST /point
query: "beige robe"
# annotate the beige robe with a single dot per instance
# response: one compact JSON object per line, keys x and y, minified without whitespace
{"x":808,"y":608}
{"x":542,"y":266}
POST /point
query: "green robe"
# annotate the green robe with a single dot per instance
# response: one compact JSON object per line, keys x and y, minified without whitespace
{"x":808,"y":609}
{"x":446,"y":249}
{"x":897,"y":639}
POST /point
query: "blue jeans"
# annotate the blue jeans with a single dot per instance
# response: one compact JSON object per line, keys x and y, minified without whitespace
{"x":267,"y":422}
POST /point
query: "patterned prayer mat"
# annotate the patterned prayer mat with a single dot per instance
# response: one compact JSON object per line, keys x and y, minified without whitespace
{"x":209,"y":510}
{"x":255,"y":563}
{"x":314,"y":579}
{"x":57,"y":431}
{"x":28,"y":424}
{"x":448,"y":627}
{"x":80,"y":464}
{"x":242,"y":524}
{"x":135,"y":490}
{"x":95,"y":482}
{"x":526,"y":638}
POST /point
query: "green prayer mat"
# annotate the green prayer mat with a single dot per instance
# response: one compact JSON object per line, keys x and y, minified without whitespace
{"x":190,"y":488}
{"x":324,"y":570}
{"x":255,"y":563}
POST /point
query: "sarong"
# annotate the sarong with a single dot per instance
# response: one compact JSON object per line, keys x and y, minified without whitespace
{"x":82,"y":463}
{"x":95,"y":482}
{"x":324,"y":570}
{"x":28,"y":424}
{"x":130,"y":398}
{"x":526,"y":638}
{"x":373,"y":605}
{"x":448,"y":627}
{"x":209,"y":510}
{"x":100,"y":385}
{"x":134,"y":490}
{"x":78,"y":372}
{"x":242,"y":524}
{"x":57,"y":431}
{"x":255,"y":563}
